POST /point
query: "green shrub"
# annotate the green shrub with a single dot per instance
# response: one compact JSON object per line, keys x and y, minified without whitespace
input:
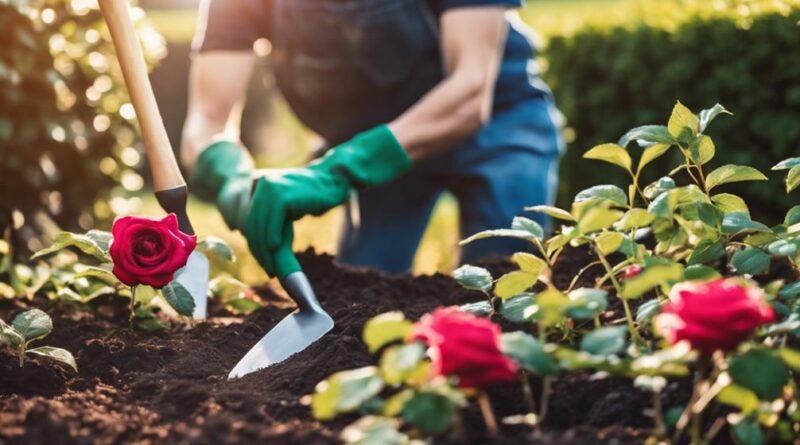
{"x":608,"y":80}
{"x":66,"y":128}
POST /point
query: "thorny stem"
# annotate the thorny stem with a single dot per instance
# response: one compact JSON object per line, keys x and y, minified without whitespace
{"x":628,"y":315}
{"x":132,"y":307}
{"x":488,"y":415}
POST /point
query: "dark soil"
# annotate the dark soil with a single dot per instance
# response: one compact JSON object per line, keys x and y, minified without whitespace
{"x":171,"y":387}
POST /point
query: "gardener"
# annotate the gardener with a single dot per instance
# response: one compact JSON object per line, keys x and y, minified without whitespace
{"x":448,"y":86}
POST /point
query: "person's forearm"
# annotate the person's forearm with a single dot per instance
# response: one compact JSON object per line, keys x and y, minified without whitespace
{"x":217,"y":82}
{"x":472,"y":45}
{"x":198,"y":133}
{"x":455,"y":109}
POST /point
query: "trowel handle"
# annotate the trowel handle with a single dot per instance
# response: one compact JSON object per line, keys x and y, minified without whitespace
{"x":168,"y":183}
{"x":164,"y":167}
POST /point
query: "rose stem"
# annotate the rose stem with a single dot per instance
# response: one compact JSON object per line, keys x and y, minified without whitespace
{"x":546,"y":381}
{"x":716,"y":427}
{"x":526,"y":390}
{"x":659,"y":429}
{"x":132,"y":307}
{"x":21,"y":354}
{"x":547,"y":384}
{"x":488,"y":414}
{"x":688,"y":413}
{"x":458,"y":426}
{"x":628,"y":315}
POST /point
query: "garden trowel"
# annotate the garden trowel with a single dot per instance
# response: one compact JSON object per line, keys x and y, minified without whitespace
{"x":170,"y":188}
{"x":296,"y":331}
{"x":293,"y":334}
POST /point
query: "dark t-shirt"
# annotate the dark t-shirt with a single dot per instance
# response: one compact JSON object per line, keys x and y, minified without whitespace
{"x":397,"y":49}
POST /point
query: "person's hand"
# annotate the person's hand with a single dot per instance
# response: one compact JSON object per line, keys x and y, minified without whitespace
{"x":279,"y":198}
{"x":282,"y":196}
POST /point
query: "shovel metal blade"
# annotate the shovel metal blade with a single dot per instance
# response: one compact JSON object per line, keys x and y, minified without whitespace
{"x":194,"y":277}
{"x":293,"y":334}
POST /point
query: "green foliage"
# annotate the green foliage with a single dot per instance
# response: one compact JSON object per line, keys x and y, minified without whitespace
{"x":179,"y":298}
{"x":68,"y":277}
{"x":345,"y":392}
{"x":761,"y":372}
{"x":475,"y":278}
{"x":384,"y":329}
{"x":28,"y":327}
{"x":609,"y":79}
{"x":526,"y":350}
{"x":605,"y":341}
{"x":400,"y":388}
{"x":694,"y":233}
{"x":67,"y":137}
{"x":374,"y":430}
{"x":238,"y":297}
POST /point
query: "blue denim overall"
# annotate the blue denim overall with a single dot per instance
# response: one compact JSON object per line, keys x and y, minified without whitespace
{"x":348,"y":65}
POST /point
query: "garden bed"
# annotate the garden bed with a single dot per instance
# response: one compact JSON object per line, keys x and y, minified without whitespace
{"x":171,"y":387}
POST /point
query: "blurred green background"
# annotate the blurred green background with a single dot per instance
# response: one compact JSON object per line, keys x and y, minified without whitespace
{"x":277,"y":139}
{"x":613,"y":65}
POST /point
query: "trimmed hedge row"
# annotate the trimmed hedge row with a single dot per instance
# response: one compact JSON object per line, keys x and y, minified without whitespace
{"x":607,"y":81}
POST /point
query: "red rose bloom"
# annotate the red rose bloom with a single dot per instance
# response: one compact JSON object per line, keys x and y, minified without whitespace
{"x":631,"y":271}
{"x":713,"y":315}
{"x":463,"y":345}
{"x":147,"y":251}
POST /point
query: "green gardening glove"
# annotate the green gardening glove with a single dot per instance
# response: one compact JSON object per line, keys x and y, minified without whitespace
{"x":224,"y":175}
{"x":372,"y":158}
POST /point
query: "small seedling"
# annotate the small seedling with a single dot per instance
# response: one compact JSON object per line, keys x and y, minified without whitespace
{"x":27,"y":327}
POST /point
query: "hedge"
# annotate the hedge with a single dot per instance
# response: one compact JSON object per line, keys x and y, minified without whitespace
{"x":609,"y":80}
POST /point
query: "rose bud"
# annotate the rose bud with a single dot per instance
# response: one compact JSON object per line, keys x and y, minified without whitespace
{"x":717,"y":314}
{"x":463,"y":345}
{"x":631,"y":271}
{"x":147,"y":251}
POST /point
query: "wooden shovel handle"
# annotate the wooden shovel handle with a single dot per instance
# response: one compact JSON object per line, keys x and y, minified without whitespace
{"x":164,"y":167}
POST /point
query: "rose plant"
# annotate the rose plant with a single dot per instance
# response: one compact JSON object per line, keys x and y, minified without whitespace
{"x":464,"y":346}
{"x":665,"y":246}
{"x":136,"y":260}
{"x":427,"y":372}
{"x":713,"y":315}
{"x":28,"y":327}
{"x":149,"y":252}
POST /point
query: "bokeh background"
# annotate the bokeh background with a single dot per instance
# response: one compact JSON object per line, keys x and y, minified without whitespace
{"x":70,"y":156}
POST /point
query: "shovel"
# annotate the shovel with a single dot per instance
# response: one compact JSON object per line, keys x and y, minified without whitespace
{"x":170,"y":188}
